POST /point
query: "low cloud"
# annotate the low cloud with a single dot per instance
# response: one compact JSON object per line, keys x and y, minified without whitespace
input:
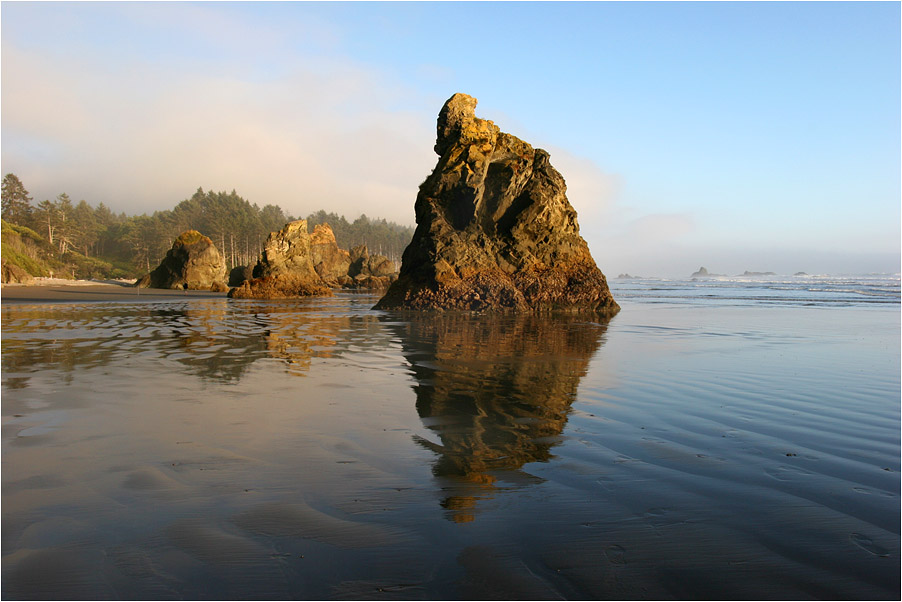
{"x":143,"y":138}
{"x":593,"y":192}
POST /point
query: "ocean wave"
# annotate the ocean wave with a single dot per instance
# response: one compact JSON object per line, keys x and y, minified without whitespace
{"x":796,"y":290}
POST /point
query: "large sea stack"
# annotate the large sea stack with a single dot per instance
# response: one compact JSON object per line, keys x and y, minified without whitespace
{"x":494,"y":229}
{"x":285,"y":268}
{"x":193,"y":263}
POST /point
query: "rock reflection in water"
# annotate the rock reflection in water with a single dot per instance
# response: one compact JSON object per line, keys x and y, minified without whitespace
{"x":496,"y":389}
{"x":216,"y":340}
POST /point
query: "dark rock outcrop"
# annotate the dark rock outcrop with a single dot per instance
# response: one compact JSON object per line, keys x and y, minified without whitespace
{"x":285,"y":268}
{"x":494,"y":228}
{"x":13,"y":274}
{"x":369,"y":271}
{"x":239,"y":274}
{"x":703,"y":273}
{"x":193,"y":263}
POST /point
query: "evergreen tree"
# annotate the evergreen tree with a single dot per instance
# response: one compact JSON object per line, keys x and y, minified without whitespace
{"x":64,"y":230}
{"x":16,"y":201}
{"x":46,"y":219}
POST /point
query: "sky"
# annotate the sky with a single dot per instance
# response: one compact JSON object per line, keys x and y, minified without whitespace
{"x":736,"y":136}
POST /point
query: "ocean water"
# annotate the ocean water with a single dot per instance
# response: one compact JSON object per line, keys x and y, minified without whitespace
{"x":729,"y":439}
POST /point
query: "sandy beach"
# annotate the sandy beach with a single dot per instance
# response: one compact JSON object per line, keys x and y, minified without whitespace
{"x":58,"y":290}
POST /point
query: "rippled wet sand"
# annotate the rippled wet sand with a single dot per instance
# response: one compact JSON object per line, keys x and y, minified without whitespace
{"x":213,"y":448}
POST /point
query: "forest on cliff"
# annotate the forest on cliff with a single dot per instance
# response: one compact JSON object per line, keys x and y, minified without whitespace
{"x":68,"y":239}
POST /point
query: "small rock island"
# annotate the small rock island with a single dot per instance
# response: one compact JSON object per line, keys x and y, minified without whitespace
{"x":495,"y":230}
{"x":285,"y":269}
{"x":193,"y":263}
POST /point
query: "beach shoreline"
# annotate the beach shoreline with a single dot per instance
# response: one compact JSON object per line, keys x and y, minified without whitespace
{"x":58,"y":290}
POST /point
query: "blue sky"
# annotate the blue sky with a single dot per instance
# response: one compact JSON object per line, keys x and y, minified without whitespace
{"x":759,"y":136}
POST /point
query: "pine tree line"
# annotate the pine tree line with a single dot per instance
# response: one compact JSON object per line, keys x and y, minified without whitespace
{"x":136,"y":244}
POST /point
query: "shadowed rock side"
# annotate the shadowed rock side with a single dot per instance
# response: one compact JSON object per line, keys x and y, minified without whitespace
{"x":368,"y":271}
{"x":239,"y":274}
{"x":193,"y":263}
{"x":285,"y":268}
{"x":494,"y":228}
{"x":496,"y":390}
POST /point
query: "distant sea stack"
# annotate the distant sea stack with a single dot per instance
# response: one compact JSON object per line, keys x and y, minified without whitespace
{"x":494,"y":229}
{"x":703,"y":273}
{"x":193,"y":263}
{"x":369,"y":271}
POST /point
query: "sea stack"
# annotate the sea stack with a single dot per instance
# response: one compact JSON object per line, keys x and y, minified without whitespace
{"x":193,"y":263}
{"x":495,"y":230}
{"x":285,"y":269}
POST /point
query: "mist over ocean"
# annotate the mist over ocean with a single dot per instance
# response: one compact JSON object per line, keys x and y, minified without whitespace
{"x":727,"y":438}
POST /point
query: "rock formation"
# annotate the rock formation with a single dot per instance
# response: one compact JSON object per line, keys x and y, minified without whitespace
{"x":703,"y":273}
{"x":369,"y":271}
{"x":13,"y":274}
{"x":193,"y":263}
{"x":285,"y":268}
{"x":329,"y":261}
{"x":239,"y":274}
{"x":494,"y":228}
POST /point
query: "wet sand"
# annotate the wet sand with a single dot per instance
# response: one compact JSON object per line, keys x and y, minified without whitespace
{"x":86,"y":291}
{"x":213,"y":449}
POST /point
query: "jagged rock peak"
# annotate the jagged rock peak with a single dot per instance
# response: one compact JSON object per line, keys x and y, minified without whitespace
{"x":457,"y":121}
{"x":494,"y":228}
{"x":323,"y":235}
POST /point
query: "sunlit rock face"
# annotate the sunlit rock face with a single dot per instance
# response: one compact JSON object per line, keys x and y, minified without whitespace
{"x":494,"y":228}
{"x":496,"y":391}
{"x":285,"y":268}
{"x":329,"y":261}
{"x":193,"y":263}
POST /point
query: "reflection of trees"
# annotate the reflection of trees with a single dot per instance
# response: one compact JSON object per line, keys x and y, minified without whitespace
{"x":496,"y":389}
{"x":216,"y":340}
{"x":225,"y":338}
